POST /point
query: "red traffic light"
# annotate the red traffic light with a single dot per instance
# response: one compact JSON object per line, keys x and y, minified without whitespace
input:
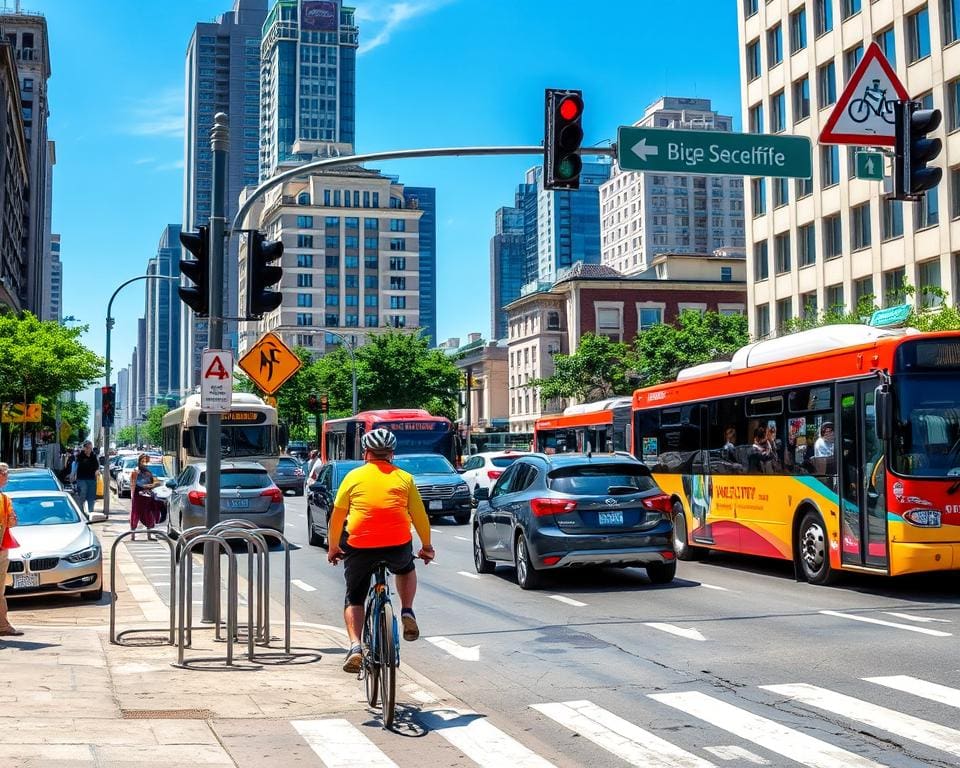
{"x":570,"y":108}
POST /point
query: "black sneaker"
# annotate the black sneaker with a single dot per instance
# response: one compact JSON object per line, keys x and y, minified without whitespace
{"x":354,"y":659}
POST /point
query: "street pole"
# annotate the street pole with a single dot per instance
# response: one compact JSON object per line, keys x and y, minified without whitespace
{"x":219,"y":145}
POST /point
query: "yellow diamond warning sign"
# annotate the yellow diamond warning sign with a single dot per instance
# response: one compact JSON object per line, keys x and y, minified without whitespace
{"x":270,"y":363}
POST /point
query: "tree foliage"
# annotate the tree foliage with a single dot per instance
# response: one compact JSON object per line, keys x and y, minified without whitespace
{"x":600,"y":368}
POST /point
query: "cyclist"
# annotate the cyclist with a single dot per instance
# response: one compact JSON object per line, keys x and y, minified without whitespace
{"x":377,"y":501}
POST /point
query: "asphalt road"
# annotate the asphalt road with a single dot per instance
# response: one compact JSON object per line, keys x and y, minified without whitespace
{"x":734,"y":663}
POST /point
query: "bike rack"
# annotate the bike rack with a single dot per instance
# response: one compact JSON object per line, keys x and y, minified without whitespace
{"x":263,"y":572}
{"x":265,"y":532}
{"x":253,"y":628}
{"x":152,"y":535}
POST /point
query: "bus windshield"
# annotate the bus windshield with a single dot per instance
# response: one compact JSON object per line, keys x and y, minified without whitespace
{"x":424,"y":437}
{"x":926,"y":441}
{"x":235,"y":441}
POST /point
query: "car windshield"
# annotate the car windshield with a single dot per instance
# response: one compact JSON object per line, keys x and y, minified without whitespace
{"x":129,"y":463}
{"x":288,"y":463}
{"x":44,"y":511}
{"x":241,"y":478}
{"x":424,"y":465}
{"x":30,"y":482}
{"x":600,"y":479}
{"x":157,"y":470}
{"x":503,"y":461}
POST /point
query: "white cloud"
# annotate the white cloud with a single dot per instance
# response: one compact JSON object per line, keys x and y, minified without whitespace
{"x":390,"y":15}
{"x":160,"y":115}
{"x":173,"y":165}
{"x":145,"y":161}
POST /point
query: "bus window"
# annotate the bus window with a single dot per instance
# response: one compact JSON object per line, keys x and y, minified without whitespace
{"x":765,"y":405}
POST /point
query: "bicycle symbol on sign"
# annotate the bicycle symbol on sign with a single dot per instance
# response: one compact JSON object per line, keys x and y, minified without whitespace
{"x":873,"y":102}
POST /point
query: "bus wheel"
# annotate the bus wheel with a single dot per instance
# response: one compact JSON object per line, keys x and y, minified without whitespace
{"x":812,"y":549}
{"x":683,"y":550}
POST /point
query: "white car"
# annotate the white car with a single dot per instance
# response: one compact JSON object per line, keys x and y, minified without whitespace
{"x":127,"y":468}
{"x":481,"y":470}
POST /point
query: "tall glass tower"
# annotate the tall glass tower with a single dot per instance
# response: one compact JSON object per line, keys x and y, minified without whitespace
{"x":162,"y":315}
{"x":425,"y":198}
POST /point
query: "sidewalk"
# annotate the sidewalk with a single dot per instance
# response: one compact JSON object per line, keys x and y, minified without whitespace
{"x":73,"y":700}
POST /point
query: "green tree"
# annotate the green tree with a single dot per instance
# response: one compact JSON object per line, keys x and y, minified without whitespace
{"x":126,"y":435}
{"x":75,"y":412}
{"x":662,"y":351}
{"x":292,"y":397}
{"x":150,"y":428}
{"x":600,"y":368}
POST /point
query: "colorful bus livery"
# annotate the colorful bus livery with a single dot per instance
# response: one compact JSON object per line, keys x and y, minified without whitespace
{"x":837,"y":448}
{"x":417,"y":431}
{"x":603,"y":426}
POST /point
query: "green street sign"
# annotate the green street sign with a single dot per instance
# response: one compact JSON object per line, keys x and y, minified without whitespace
{"x":731,"y":154}
{"x":870,"y":166}
{"x":890,"y":316}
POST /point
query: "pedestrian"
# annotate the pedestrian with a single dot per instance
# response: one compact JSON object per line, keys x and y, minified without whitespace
{"x":86,"y":469}
{"x":8,"y":519}
{"x":142,"y":499}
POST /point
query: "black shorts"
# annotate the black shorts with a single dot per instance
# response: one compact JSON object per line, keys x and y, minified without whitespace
{"x":359,"y":563}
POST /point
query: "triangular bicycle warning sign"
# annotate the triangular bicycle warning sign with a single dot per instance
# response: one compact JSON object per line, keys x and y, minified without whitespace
{"x":863,"y":115}
{"x":216,"y":370}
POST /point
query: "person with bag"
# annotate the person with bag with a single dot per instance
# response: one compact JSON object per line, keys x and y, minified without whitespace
{"x":86,"y":468}
{"x":142,"y":501}
{"x":8,"y":519}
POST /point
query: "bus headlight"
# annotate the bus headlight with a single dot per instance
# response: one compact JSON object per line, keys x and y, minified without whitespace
{"x":923,"y":518}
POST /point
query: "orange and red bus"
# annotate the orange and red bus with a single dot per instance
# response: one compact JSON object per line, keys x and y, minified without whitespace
{"x":836,"y":448}
{"x":417,"y":432}
{"x":603,"y":426}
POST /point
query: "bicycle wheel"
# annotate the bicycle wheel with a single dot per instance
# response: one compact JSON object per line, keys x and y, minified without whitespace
{"x":371,"y":672}
{"x":388,"y":663}
{"x":859,"y":110}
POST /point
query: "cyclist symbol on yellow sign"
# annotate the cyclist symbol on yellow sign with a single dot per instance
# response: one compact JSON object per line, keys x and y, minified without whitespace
{"x":270,"y":363}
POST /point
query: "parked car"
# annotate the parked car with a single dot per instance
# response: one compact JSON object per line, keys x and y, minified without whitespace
{"x":322,"y":487}
{"x":481,"y":470}
{"x":246,"y":492}
{"x":442,"y":489}
{"x":289,"y":475}
{"x":571,"y":510}
{"x":32,"y":479}
{"x":58,"y":553}
{"x":129,"y":465}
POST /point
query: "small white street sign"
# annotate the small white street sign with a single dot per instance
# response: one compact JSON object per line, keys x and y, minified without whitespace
{"x":216,"y":380}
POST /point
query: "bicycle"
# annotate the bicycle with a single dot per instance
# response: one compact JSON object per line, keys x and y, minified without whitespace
{"x":380,"y":647}
{"x":873,"y":102}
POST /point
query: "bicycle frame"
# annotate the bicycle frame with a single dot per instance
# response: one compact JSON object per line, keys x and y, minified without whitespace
{"x":381,"y":646}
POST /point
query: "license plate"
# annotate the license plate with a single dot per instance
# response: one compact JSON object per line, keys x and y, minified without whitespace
{"x":238,"y":503}
{"x":611,"y":518}
{"x":26,"y":580}
{"x":436,"y":505}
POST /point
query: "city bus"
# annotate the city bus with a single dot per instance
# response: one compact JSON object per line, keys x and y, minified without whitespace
{"x":488,"y":442}
{"x":248,"y":432}
{"x":836,"y":448}
{"x":417,"y":431}
{"x":603,"y":426}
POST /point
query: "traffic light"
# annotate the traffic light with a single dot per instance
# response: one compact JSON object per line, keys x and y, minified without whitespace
{"x":913,"y":150}
{"x":324,"y":404}
{"x":260,"y":275}
{"x":313,"y":403}
{"x":196,"y":296}
{"x":107,"y":406}
{"x":562,"y":136}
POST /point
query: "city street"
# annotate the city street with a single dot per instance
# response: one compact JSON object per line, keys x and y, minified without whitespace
{"x":734,"y":663}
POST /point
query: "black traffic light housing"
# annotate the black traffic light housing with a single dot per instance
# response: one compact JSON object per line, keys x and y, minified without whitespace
{"x":261,"y":275}
{"x":313,"y":403}
{"x":197,"y":269}
{"x":562,"y":136}
{"x":324,"y":404}
{"x":107,"y":406}
{"x":913,"y":149}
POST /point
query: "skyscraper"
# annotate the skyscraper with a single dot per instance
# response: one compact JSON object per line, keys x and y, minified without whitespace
{"x":222,"y":75}
{"x":308,"y":82}
{"x":162,"y":314}
{"x":55,"y":281}
{"x":508,"y":271}
{"x":425,"y":198}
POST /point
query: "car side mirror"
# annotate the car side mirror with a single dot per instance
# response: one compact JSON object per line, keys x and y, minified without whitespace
{"x":884,"y":412}
{"x":171,"y":483}
{"x":482,"y":494}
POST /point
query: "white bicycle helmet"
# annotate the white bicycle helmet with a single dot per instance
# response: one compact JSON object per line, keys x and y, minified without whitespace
{"x":379,"y":440}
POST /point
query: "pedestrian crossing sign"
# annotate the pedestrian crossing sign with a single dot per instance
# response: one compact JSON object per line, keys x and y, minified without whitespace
{"x":270,"y":363}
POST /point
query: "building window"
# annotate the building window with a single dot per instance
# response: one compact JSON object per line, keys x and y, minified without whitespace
{"x":888,"y":45}
{"x":304,"y":318}
{"x":398,"y":302}
{"x":331,"y":281}
{"x":305,"y":222}
{"x":918,"y":35}
{"x":371,"y":223}
{"x":863,"y":291}
{"x":798,"y":30}
{"x":304,"y":299}
{"x":332,"y":300}
{"x":891,"y":223}
{"x":851,"y":57}
{"x":808,"y":305}
{"x":398,"y":283}
{"x":753,"y":60}
{"x":832,"y":237}
{"x":801,"y":99}
{"x":304,"y":280}
{"x":304,"y":259}
{"x":829,"y":165}
{"x":953,"y":104}
{"x":860,"y":227}
{"x":781,"y":192}
{"x":804,"y":188}
{"x":849,"y":7}
{"x":351,"y":300}
{"x":371,"y":300}
{"x":823,"y":16}
{"x":351,"y":262}
{"x":781,"y":252}
{"x":784,"y":313}
{"x":371,"y":321}
{"x":304,"y":241}
{"x":834,"y":298}
{"x":553,"y":321}
{"x":726,"y":274}
{"x":332,"y":261}
{"x":774,"y":46}
{"x":756,"y":118}
{"x":750,"y":7}
{"x":331,"y":241}
{"x":332,"y":222}
{"x":371,"y":261}
{"x":609,"y":320}
{"x":928,"y":276}
{"x":763,"y":321}
{"x":758,"y":188}
{"x":893,"y":282}
{"x":761,"y":261}
{"x":351,"y":222}
{"x":331,"y":320}
{"x":826,"y":84}
{"x":806,"y":245}
{"x":951,"y":20}
{"x":398,"y":263}
{"x":398,"y":225}
{"x":778,"y":112}
{"x":649,"y":315}
{"x":955,"y":191}
{"x":398,"y":244}
{"x":926,"y":212}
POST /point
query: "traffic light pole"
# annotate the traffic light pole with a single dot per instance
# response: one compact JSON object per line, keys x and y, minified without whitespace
{"x":219,"y":144}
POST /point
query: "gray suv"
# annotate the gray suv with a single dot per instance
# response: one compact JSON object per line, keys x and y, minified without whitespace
{"x":246,"y":492}
{"x":573,"y":510}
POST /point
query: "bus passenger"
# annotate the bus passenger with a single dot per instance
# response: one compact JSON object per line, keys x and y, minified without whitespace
{"x":823,"y":447}
{"x":761,"y":455}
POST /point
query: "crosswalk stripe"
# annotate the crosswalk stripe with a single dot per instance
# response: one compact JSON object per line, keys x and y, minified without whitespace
{"x":869,"y":620}
{"x":341,"y":745}
{"x":620,"y":737}
{"x":303,"y":585}
{"x":768,"y":734}
{"x":568,"y":601}
{"x":903,"y":725}
{"x":932,"y":691}
{"x":736,"y":753}
{"x":914,"y":617}
{"x":480,"y":740}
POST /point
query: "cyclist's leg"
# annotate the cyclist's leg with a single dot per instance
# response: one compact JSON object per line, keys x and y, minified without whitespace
{"x":401,"y":563}
{"x":358,"y":565}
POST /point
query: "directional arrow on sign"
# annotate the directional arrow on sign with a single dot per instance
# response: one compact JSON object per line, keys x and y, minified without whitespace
{"x":641,"y":150}
{"x":462,"y":652}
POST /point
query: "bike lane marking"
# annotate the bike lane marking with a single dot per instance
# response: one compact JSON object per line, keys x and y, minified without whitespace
{"x":895,"y":625}
{"x":340,"y":745}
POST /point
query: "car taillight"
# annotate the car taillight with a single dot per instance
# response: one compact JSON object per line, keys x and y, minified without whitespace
{"x":661,"y":503}
{"x":275,"y":494}
{"x":197,"y":497}
{"x":493,"y":474}
{"x":543,"y":507}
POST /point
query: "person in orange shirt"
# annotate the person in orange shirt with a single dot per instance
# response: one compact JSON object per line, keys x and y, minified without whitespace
{"x":8,"y":519}
{"x":377,"y":502}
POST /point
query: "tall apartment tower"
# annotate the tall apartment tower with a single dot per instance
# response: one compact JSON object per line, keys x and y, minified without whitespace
{"x":121,"y":404}
{"x":644,"y":214}
{"x":55,"y":282}
{"x":222,"y":75}
{"x":14,"y":184}
{"x":425,"y":199}
{"x":830,"y":240}
{"x":308,"y":82}
{"x":508,"y":266}
{"x":27,"y":33}
{"x":162,"y":314}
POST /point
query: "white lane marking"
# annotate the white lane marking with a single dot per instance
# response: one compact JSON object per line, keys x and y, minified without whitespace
{"x":719,"y":589}
{"x":895,"y":625}
{"x":765,"y":733}
{"x":618,"y":736}
{"x":914,"y":617}
{"x":339,"y":745}
{"x":303,"y":585}
{"x":932,"y":691}
{"x":480,"y":740}
{"x":736,"y":753}
{"x":567,"y":600}
{"x":690,"y":634}
{"x":462,"y":652}
{"x":890,"y":720}
{"x":469,"y":575}
{"x":461,"y":538}
{"x":435,"y":530}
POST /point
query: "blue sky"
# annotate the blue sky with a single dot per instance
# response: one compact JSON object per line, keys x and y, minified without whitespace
{"x":431,"y":73}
